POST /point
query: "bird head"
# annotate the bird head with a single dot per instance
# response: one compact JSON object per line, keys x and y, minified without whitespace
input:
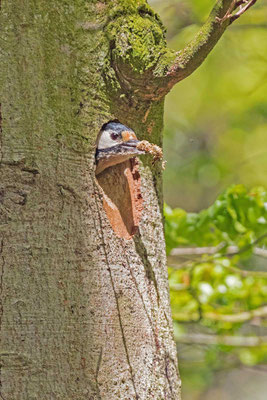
{"x":116,"y":143}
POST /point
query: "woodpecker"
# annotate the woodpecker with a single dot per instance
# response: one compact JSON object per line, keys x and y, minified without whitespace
{"x":116,"y":143}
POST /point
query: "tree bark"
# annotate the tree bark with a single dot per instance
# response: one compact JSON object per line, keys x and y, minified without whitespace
{"x":85,"y":308}
{"x":84,"y":314}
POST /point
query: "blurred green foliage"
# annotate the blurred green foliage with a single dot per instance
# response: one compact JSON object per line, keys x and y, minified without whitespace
{"x":215,"y":141}
{"x":237,"y":217}
{"x":216,"y":120}
{"x":220,"y":292}
{"x":218,"y":283}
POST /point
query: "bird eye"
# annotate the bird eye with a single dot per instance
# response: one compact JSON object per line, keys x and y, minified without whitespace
{"x":114,"y":136}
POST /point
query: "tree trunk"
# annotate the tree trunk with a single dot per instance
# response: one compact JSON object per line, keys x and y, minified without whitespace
{"x":85,"y":308}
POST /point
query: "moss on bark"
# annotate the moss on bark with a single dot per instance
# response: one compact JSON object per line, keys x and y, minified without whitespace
{"x":84,"y":314}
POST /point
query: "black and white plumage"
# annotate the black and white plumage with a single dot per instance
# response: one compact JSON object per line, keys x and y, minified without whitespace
{"x":116,"y":144}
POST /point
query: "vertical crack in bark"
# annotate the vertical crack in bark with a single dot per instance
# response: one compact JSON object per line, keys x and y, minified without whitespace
{"x":97,"y":372}
{"x":115,"y":295}
{"x":1,"y":280}
{"x":142,"y":251}
{"x":121,"y":327}
{"x":142,"y":300}
{"x":1,"y":137}
{"x":123,"y":335}
{"x":168,"y":322}
{"x":2,"y":397}
{"x":167,"y":362}
{"x":1,"y":305}
{"x":99,"y":362}
{"x":168,"y":359}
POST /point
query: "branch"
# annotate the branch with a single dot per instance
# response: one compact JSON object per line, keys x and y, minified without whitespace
{"x":191,"y":57}
{"x":198,"y":251}
{"x":243,"y":272}
{"x":238,"y":317}
{"x":242,"y":10}
{"x":244,"y":316}
{"x":210,"y":251}
{"x":227,"y":340}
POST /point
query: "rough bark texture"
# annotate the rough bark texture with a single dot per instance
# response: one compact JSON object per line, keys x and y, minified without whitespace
{"x":84,"y":314}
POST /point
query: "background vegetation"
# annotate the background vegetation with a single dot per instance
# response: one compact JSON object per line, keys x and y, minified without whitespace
{"x":216,"y":147}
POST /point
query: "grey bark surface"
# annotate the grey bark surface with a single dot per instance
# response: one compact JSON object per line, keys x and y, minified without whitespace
{"x":84,"y":314}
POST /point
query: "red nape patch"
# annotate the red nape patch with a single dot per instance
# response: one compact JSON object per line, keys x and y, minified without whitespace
{"x":122,"y":199}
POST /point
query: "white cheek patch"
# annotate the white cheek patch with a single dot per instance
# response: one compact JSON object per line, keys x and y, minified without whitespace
{"x":105,"y":141}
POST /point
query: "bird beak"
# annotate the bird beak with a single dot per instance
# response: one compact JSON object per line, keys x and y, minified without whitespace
{"x":116,"y":154}
{"x":131,"y":147}
{"x":130,"y":142}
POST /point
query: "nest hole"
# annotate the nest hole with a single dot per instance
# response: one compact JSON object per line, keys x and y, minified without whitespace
{"x":122,"y":199}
